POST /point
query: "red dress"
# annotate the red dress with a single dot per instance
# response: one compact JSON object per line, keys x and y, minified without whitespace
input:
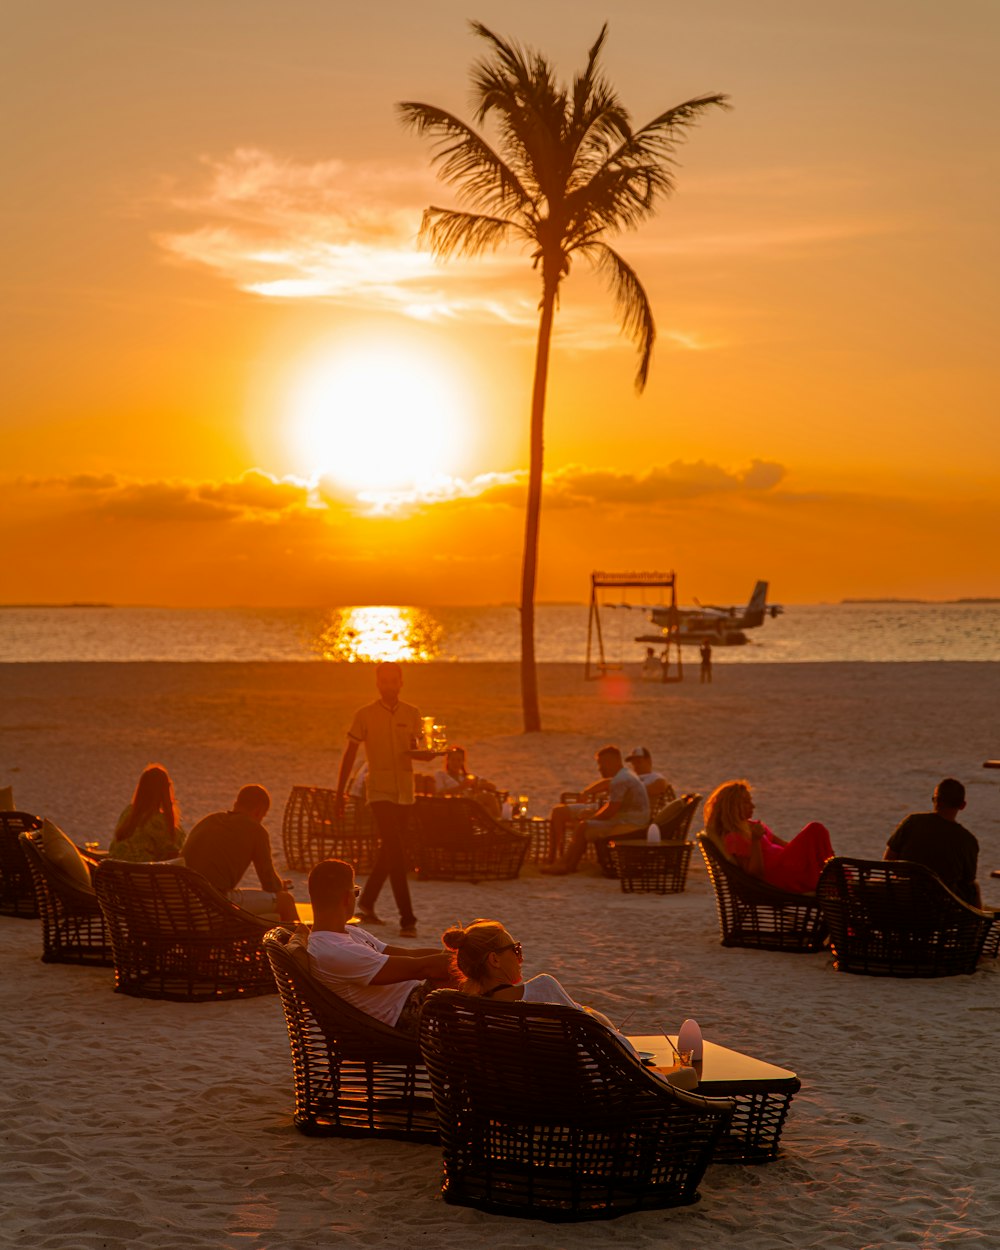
{"x":795,"y":867}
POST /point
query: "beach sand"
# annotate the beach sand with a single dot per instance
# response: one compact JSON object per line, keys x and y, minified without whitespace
{"x":134,"y":1123}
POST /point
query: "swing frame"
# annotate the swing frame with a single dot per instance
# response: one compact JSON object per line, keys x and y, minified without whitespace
{"x":600,"y":667}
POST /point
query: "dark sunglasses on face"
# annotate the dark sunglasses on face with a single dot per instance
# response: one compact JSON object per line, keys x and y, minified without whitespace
{"x":513,"y":946}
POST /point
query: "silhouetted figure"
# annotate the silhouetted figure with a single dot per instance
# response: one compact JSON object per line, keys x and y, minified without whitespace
{"x":936,"y":840}
{"x":651,"y":669}
{"x":706,"y":661}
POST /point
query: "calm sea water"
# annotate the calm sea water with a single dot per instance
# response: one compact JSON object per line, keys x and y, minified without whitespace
{"x":877,"y":632}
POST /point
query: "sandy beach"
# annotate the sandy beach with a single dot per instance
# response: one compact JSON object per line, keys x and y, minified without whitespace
{"x":134,"y":1123}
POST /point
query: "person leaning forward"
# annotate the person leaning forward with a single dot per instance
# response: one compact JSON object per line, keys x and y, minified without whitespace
{"x":389,"y":730}
{"x":224,"y":845}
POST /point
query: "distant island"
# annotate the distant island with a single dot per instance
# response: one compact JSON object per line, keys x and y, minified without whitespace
{"x":931,"y":602}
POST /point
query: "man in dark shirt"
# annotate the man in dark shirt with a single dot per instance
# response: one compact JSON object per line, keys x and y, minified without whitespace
{"x":936,"y":840}
{"x":224,"y":845}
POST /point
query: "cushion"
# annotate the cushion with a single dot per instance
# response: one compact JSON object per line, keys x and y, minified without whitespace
{"x":61,"y":852}
{"x":668,"y":816}
{"x":7,"y":799}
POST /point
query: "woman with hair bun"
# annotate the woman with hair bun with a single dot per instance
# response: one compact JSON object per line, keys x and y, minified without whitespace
{"x":489,"y":961}
{"x":794,"y":866}
{"x":148,"y":829}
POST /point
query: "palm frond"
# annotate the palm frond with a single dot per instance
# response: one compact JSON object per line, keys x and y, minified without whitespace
{"x":631,"y":303}
{"x":465,"y":159}
{"x":445,"y":232}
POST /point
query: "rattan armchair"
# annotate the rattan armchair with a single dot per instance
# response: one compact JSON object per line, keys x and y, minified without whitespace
{"x":312,"y":831}
{"x":354,"y":1076}
{"x":899,"y":919}
{"x":544,"y":1113}
{"x":673,"y":828}
{"x":73,"y":929}
{"x":17,"y":890}
{"x":755,"y":914}
{"x":174,"y":936}
{"x":457,"y":841}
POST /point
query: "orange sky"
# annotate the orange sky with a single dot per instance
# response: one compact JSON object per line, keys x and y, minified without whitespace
{"x":230,"y":378}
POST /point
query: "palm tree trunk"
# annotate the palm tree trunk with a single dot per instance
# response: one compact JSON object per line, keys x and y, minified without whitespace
{"x":529,"y":567}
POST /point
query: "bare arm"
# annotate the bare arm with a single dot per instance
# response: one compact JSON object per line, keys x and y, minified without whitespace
{"x":436,"y":967}
{"x":601,"y":786}
{"x":607,"y":811}
{"x":346,"y":764}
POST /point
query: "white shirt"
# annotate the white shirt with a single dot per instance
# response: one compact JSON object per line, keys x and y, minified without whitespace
{"x":346,"y":962}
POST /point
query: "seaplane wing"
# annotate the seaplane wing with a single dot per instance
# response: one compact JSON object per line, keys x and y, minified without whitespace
{"x":722,"y":626}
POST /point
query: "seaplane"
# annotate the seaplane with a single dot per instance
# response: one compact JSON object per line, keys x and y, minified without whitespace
{"x":722,"y":627}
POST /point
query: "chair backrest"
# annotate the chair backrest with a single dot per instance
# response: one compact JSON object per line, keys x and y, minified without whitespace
{"x":169,"y":899}
{"x":898,"y":918}
{"x":17,"y":892}
{"x":676,"y":828}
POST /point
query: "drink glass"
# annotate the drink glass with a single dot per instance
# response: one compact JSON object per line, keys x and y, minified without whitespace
{"x":684,"y":1058}
{"x":522,"y":805}
{"x":427,"y":733}
{"x":439,"y":737}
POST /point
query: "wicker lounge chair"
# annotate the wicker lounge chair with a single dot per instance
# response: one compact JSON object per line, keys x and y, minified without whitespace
{"x":755,"y":914}
{"x":354,"y":1076}
{"x":899,"y":919}
{"x":17,"y":890}
{"x":673,"y":828}
{"x":457,"y":841}
{"x":312,"y":831}
{"x":73,"y":929}
{"x":174,"y":936}
{"x":544,"y":1113}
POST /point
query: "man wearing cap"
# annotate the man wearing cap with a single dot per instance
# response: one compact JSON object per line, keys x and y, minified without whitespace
{"x":657,"y":787}
{"x":625,"y":810}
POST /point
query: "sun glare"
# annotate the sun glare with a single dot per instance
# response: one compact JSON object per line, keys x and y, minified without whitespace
{"x":379,"y":419}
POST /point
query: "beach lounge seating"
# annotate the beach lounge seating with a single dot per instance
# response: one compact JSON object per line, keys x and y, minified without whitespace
{"x":899,"y":919}
{"x":755,"y":914}
{"x":673,"y":819}
{"x":174,"y":936}
{"x":73,"y":929}
{"x":312,"y":831}
{"x":457,"y":841}
{"x":544,"y":1113}
{"x":354,"y":1076}
{"x":17,"y":890}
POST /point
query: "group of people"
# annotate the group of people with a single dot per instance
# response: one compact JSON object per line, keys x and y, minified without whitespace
{"x":221,"y":847}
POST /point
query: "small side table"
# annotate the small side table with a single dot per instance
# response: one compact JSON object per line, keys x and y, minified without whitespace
{"x":651,"y":867}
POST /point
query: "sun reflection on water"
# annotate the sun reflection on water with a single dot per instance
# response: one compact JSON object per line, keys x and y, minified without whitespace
{"x":379,"y":632}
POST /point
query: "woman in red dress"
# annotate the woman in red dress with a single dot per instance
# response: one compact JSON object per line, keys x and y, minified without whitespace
{"x":794,"y":866}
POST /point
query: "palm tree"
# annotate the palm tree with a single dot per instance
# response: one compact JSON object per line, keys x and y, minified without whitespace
{"x":568,"y":170}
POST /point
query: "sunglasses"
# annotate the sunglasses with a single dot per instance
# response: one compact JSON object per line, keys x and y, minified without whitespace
{"x":515,"y":947}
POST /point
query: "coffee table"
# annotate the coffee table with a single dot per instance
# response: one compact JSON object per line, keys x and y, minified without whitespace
{"x":762,"y":1093}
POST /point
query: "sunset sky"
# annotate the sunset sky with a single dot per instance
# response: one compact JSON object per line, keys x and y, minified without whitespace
{"x":231,"y":378}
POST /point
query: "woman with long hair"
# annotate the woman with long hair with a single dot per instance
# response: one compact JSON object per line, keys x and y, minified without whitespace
{"x":149,"y":828}
{"x":794,"y":866}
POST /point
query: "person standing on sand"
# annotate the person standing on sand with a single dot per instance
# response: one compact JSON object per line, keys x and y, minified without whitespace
{"x":224,"y":845}
{"x":936,"y":840}
{"x":390,"y":730}
{"x":706,"y":661}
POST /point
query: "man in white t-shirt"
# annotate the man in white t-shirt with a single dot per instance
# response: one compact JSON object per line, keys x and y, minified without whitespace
{"x":388,"y":982}
{"x":657,"y":786}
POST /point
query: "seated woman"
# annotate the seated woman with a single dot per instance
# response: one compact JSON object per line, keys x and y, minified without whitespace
{"x":794,"y":866}
{"x":488,"y":962}
{"x":454,"y":778}
{"x":148,"y":829}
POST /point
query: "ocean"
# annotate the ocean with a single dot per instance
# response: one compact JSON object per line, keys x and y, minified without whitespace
{"x":879,"y":632}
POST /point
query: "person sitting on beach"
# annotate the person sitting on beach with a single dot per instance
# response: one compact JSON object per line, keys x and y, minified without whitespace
{"x":625,"y":810}
{"x":149,"y":828}
{"x":794,"y":866}
{"x":389,"y":983}
{"x":224,"y":845}
{"x":652,"y":669}
{"x":658,"y":788}
{"x":455,"y":779}
{"x":936,"y":840}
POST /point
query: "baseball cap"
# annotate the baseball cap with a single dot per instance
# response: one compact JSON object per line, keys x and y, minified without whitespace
{"x":639,"y":753}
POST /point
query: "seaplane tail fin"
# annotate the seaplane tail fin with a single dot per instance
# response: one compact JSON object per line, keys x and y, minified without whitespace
{"x":757,"y":606}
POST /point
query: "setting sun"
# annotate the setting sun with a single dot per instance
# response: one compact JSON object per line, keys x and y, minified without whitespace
{"x":378,"y":419}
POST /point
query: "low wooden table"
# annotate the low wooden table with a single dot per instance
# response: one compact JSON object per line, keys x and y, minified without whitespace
{"x":762,"y":1092}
